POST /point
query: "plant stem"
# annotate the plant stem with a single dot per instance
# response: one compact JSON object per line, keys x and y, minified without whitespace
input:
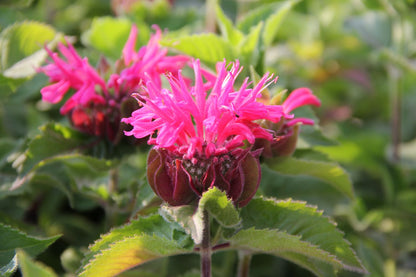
{"x":244,"y":260}
{"x":205,"y":250}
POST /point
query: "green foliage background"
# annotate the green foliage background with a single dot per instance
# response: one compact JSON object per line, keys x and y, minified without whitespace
{"x":358,"y":167}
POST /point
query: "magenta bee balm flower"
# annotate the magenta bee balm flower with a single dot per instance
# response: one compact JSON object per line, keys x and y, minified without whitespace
{"x":96,"y":105}
{"x":202,"y":134}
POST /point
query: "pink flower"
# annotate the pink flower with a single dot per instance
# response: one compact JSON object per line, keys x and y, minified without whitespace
{"x":202,"y":134}
{"x":193,"y":121}
{"x":286,"y":131}
{"x":95,"y":107}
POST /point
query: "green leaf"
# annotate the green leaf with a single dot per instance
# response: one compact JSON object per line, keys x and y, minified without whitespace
{"x":219,"y":207}
{"x":250,"y":46}
{"x":270,"y":14}
{"x":286,"y":246}
{"x":209,"y":48}
{"x":11,"y":239}
{"x":305,"y":222}
{"x":140,"y":241}
{"x":30,"y":268}
{"x":109,"y":35}
{"x":229,"y":32}
{"x":328,"y":172}
{"x":21,"y":48}
{"x":274,"y":21}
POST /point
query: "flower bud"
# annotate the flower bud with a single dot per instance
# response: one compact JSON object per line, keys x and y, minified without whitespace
{"x":179,"y":181}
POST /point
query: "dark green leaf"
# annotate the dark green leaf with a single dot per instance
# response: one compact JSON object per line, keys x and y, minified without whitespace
{"x":11,"y":239}
{"x":328,"y":172}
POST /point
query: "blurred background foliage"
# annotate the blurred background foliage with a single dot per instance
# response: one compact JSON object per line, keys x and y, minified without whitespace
{"x":358,"y":56}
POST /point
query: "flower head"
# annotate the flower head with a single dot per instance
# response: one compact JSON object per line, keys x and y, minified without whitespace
{"x":285,"y":132}
{"x":202,"y":134}
{"x":96,"y":104}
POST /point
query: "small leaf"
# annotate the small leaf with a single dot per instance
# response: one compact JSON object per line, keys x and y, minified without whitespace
{"x":220,"y":207}
{"x":11,"y":239}
{"x":30,"y":268}
{"x":298,"y":219}
{"x":140,"y":241}
{"x":22,"y":50}
{"x":209,"y":48}
{"x":328,"y":172}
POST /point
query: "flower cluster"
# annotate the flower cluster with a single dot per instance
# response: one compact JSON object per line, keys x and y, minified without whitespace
{"x":203,"y":135}
{"x":96,"y":104}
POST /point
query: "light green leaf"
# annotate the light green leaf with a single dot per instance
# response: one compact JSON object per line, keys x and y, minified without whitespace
{"x":209,"y":48}
{"x":219,"y":207}
{"x":130,"y":252}
{"x":11,"y":239}
{"x":284,"y":245}
{"x":30,"y":268}
{"x":140,"y":241}
{"x":250,"y":46}
{"x":21,"y":48}
{"x":272,"y":13}
{"x":108,"y":35}
{"x":306,"y":223}
{"x":328,"y":172}
{"x":227,"y":28}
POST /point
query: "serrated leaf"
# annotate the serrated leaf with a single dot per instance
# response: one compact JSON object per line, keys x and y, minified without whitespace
{"x":21,"y":48}
{"x":299,"y":219}
{"x":228,"y":30}
{"x":328,"y":172}
{"x":130,"y":252}
{"x":219,"y":207}
{"x":140,"y":241}
{"x":30,"y":268}
{"x":11,"y":239}
{"x":209,"y":48}
{"x":284,"y":245}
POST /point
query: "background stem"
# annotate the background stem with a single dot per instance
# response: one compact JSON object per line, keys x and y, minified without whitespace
{"x":244,"y":260}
